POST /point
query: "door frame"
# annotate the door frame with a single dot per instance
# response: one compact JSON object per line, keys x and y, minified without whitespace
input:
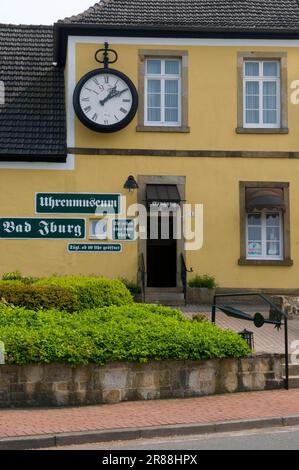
{"x":180,"y":182}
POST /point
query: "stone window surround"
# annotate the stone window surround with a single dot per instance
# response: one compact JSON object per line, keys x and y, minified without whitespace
{"x":286,"y":261}
{"x":280,"y":56}
{"x":163,"y":53}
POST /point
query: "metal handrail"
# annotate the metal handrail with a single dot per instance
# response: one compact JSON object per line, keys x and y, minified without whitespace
{"x":142,"y":276}
{"x":184,"y":273}
{"x":184,"y":277}
{"x":274,"y":307}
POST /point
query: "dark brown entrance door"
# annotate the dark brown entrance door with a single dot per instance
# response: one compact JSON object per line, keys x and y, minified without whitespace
{"x":162,"y":258}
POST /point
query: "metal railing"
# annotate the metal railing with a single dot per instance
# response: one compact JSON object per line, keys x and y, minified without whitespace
{"x":184,"y":277}
{"x":278,"y":323}
{"x":142,"y":276}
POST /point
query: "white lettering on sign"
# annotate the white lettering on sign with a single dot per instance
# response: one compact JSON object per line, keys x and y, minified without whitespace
{"x":11,"y":227}
{"x":47,"y":228}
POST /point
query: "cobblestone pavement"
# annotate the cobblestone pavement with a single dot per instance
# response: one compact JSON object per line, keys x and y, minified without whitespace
{"x":266,"y":339}
{"x":18,"y":423}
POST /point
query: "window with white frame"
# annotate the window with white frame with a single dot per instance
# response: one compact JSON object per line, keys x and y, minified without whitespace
{"x":163,"y":92}
{"x":265,"y":235}
{"x":262,"y":96}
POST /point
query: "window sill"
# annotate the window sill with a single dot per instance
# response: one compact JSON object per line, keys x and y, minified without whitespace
{"x":265,"y":262}
{"x":262,"y":130}
{"x":182,"y":129}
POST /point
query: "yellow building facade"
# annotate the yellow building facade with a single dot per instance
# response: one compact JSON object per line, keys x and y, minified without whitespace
{"x":234,"y":147}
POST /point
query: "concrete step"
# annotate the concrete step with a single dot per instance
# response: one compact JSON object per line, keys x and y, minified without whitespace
{"x":163,"y":290}
{"x":293,"y":381}
{"x":174,"y":299}
{"x":293,"y":370}
{"x":167,"y":303}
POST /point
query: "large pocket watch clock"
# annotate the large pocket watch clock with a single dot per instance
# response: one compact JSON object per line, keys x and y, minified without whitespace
{"x":105,"y":100}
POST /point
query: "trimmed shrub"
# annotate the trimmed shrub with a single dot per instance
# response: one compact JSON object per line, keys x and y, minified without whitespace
{"x":131,"y":333}
{"x":204,"y":281}
{"x":92,"y":291}
{"x":39,"y":297}
{"x":14,"y":276}
{"x":131,"y":286}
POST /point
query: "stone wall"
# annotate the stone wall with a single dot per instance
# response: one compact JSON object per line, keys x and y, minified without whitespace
{"x":61,"y":385}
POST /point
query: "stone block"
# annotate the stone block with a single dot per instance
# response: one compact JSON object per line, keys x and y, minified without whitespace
{"x":111,"y":396}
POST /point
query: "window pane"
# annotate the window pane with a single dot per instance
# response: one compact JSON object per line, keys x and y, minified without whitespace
{"x":171,"y":115}
{"x":154,"y":114}
{"x":154,"y":67}
{"x":273,"y":234}
{"x":154,"y":101}
{"x":255,"y":234}
{"x":273,"y":220}
{"x":271,"y":69}
{"x":273,"y":249}
{"x":270,"y":117}
{"x":254,"y":249}
{"x":252,"y":102}
{"x":171,"y":86}
{"x":254,"y":219}
{"x":270,"y":102}
{"x":252,"y":69}
{"x":252,"y":117}
{"x":171,"y":101}
{"x":99,"y":229}
{"x":172,"y":67}
{"x":154,"y":86}
{"x":270,"y":88}
{"x":252,"y":88}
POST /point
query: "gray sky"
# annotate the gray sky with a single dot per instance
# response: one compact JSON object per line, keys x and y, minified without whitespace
{"x":40,"y":11}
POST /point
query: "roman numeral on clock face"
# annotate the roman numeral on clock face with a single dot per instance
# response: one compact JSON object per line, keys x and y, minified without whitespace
{"x":87,"y":109}
{"x":123,"y":110}
{"x":106,"y":122}
{"x":106,"y":79}
{"x":126,"y":101}
{"x":85,"y":100}
{"x":95,"y":117}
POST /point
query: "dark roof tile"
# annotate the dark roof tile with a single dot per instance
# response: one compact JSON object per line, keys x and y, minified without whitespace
{"x":202,"y":14}
{"x":32,"y":120}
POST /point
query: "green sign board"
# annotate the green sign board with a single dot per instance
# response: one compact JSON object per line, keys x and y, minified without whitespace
{"x":94,"y":248}
{"x":30,"y":228}
{"x":77,"y":203}
{"x":123,"y":230}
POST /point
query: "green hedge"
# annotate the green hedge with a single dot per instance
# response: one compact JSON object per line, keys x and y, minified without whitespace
{"x":204,"y":281}
{"x":130,"y":333}
{"x":38,"y":297}
{"x":92,"y":291}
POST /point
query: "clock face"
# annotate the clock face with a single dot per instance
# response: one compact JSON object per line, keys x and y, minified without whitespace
{"x":105,"y":100}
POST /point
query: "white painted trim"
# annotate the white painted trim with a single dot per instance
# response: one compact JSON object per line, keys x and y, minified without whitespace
{"x":183,"y":41}
{"x":71,"y":84}
{"x":68,"y":166}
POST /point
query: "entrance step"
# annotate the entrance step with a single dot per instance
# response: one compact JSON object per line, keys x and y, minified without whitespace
{"x":171,"y":297}
{"x":293,"y":370}
{"x":163,"y":290}
{"x":293,"y":375}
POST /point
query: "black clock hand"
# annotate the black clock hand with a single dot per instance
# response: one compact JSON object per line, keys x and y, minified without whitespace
{"x":110,"y":95}
{"x":113,"y":94}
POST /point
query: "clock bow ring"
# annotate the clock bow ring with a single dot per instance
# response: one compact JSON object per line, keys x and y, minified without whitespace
{"x":105,"y":99}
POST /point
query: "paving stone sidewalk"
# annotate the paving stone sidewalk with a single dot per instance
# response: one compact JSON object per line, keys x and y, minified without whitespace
{"x":242,"y":406}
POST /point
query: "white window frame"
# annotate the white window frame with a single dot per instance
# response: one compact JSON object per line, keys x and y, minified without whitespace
{"x":162,"y":78}
{"x":262,"y":79}
{"x":264,"y":255}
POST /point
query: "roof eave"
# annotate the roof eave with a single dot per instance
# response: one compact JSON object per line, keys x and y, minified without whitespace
{"x":63,"y":30}
{"x":30,"y":158}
